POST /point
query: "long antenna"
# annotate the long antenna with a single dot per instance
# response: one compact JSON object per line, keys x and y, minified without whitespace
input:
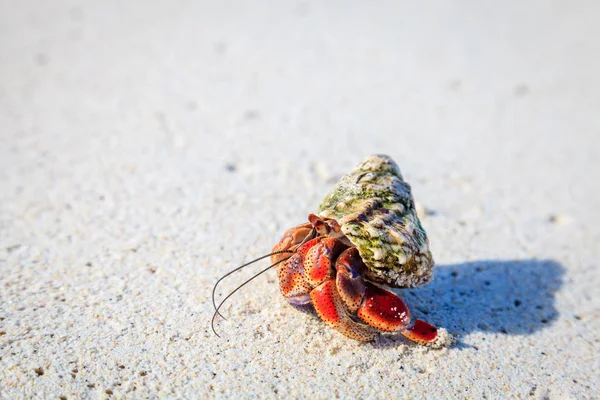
{"x":308,"y":237}
{"x":212,"y":322}
{"x":237,"y":269}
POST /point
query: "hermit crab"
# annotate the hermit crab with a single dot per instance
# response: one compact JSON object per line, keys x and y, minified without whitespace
{"x":365,"y":239}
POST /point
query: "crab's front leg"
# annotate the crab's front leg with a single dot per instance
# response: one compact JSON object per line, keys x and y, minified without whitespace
{"x":377,"y":307}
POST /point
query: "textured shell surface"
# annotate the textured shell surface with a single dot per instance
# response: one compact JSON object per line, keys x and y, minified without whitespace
{"x":376,"y":211}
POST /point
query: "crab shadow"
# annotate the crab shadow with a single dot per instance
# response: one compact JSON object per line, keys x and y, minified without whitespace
{"x":512,"y":297}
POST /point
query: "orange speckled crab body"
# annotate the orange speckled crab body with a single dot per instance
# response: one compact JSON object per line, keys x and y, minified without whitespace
{"x":326,"y":270}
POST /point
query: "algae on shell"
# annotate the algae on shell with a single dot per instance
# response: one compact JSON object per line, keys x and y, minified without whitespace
{"x":376,"y":211}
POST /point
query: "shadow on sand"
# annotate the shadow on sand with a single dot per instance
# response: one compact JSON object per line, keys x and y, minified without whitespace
{"x":514,"y":297}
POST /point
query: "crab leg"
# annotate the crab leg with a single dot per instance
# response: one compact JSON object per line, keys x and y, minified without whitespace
{"x":319,"y":273}
{"x":331,"y":309}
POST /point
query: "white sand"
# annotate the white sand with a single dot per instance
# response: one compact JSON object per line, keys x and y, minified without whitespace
{"x":147,"y":148}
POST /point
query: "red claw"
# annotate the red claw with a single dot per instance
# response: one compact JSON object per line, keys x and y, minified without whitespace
{"x":384,"y":310}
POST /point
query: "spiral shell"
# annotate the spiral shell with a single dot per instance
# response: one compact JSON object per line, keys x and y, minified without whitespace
{"x":376,"y":211}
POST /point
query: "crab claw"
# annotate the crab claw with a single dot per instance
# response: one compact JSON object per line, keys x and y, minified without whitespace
{"x":387,"y":312}
{"x":375,"y":306}
{"x":384,"y":310}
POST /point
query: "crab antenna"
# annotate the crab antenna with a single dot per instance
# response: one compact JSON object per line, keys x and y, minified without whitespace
{"x":212,"y":322}
{"x":240,"y":267}
{"x":311,"y":235}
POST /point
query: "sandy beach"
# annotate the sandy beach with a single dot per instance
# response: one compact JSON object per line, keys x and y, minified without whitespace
{"x":148,"y":148}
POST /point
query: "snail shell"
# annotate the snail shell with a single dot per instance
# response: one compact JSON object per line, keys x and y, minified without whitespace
{"x":376,"y":211}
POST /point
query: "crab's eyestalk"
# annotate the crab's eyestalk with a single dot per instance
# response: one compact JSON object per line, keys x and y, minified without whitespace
{"x":319,"y":225}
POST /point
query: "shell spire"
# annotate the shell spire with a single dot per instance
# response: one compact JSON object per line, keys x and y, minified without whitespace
{"x":376,"y":211}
